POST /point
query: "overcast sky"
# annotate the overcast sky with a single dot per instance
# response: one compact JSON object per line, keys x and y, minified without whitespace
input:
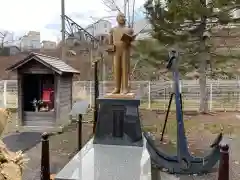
{"x":21,"y":16}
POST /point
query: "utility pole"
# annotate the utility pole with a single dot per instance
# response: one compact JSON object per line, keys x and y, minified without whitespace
{"x":125,"y":7}
{"x":63,"y":30}
{"x":129,"y":15}
{"x":133,"y":13}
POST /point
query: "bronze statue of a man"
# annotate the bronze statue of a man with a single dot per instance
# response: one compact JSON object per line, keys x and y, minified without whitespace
{"x":120,"y":42}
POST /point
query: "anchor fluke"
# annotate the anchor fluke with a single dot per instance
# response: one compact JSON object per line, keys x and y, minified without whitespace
{"x":189,"y":165}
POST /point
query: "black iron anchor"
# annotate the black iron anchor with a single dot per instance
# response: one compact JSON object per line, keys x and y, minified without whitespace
{"x":183,"y":162}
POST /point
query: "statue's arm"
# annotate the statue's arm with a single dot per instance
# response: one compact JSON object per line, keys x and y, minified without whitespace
{"x":131,"y":33}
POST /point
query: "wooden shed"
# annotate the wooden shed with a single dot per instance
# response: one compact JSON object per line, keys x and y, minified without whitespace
{"x":44,"y":91}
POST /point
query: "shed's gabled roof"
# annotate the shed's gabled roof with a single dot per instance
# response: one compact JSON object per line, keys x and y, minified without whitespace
{"x":53,"y":63}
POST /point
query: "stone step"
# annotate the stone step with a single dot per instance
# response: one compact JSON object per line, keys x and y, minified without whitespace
{"x":48,"y":129}
{"x":38,"y":123}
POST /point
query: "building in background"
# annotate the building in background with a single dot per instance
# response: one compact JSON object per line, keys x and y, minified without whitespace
{"x":100,"y":29}
{"x":49,"y":45}
{"x":32,"y":40}
{"x":9,"y":51}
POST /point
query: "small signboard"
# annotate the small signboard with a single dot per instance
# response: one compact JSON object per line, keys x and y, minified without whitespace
{"x":79,"y":107}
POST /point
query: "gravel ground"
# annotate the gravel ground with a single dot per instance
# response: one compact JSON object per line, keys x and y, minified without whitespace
{"x":63,"y":146}
{"x":234,"y":167}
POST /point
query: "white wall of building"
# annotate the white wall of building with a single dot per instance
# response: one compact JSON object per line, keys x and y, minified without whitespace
{"x":49,"y":44}
{"x":101,"y":27}
{"x":236,"y":13}
{"x":31,"y":41}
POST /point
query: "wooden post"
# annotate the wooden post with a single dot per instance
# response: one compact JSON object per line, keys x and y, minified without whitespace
{"x":155,"y":173}
{"x":211,"y":98}
{"x":149,"y":95}
{"x":90,"y":93}
{"x":223,"y":171}
{"x":45,"y":166}
{"x":79,"y":132}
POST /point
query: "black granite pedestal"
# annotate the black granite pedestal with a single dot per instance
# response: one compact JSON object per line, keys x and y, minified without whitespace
{"x":118,"y":122}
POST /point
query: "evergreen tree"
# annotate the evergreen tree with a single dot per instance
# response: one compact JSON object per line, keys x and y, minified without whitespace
{"x":187,"y":26}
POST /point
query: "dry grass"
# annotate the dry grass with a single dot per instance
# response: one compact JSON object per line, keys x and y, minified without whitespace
{"x":171,"y":128}
{"x":189,"y":105}
{"x":194,"y":125}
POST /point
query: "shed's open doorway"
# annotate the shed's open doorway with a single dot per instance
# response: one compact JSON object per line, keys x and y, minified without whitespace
{"x":38,"y":92}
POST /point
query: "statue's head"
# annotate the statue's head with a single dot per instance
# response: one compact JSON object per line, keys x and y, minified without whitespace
{"x":121,"y":19}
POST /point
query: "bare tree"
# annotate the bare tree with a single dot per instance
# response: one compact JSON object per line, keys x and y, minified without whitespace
{"x":128,"y":9}
{"x":3,"y":36}
{"x":6,"y":40}
{"x":112,"y":5}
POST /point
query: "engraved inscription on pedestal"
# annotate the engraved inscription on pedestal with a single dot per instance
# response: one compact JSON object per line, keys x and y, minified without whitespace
{"x":118,"y":122}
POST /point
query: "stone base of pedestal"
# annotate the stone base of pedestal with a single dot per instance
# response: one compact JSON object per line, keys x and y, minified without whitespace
{"x":106,"y":162}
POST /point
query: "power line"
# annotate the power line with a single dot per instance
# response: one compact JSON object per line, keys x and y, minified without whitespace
{"x":63,"y":29}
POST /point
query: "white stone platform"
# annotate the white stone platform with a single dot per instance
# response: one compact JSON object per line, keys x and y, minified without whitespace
{"x":108,"y":162}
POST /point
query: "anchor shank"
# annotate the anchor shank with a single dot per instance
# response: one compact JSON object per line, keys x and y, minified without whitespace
{"x":182,"y":146}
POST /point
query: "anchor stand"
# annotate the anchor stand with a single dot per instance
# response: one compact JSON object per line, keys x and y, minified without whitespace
{"x":168,"y":110}
{"x":183,"y":162}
